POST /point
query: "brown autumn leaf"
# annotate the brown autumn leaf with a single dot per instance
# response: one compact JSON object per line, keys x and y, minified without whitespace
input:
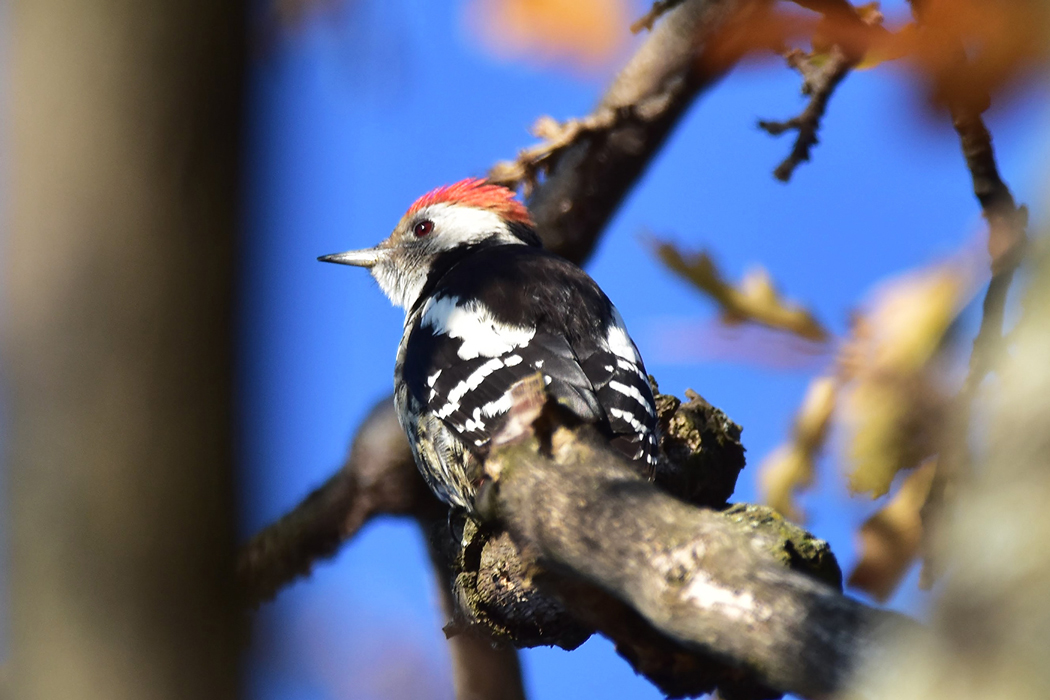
{"x":692,"y":340}
{"x":789,"y":469}
{"x":585,"y":33}
{"x":886,"y":387}
{"x":754,"y":300}
{"x":890,"y":539}
{"x":893,"y":46}
{"x":894,"y":402}
{"x":971,"y":48}
{"x":1003,"y":39}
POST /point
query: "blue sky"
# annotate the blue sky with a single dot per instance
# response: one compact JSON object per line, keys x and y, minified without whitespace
{"x":355,"y":114}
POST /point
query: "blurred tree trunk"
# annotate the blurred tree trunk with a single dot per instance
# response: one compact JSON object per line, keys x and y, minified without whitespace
{"x":989,"y":632}
{"x":118,"y":347}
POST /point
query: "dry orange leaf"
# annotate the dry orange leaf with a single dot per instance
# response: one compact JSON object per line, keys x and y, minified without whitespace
{"x":585,"y":33}
{"x":789,"y":469}
{"x":890,"y":539}
{"x":891,"y":404}
{"x":1000,"y":40}
{"x":784,"y":472}
{"x":756,"y":299}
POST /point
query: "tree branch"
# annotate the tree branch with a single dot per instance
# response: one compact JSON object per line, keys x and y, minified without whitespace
{"x":591,"y":164}
{"x":482,"y":668}
{"x":501,"y":590}
{"x":691,"y":574}
{"x":1007,"y":223}
{"x":379,"y":477}
{"x":819,"y":82}
{"x":822,"y":72}
{"x":1007,"y":239}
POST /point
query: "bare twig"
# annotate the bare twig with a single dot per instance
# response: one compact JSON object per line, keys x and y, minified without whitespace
{"x":557,"y":137}
{"x":851,"y":31}
{"x":819,"y":82}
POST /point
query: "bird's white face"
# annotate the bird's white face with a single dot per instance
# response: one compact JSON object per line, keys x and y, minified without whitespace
{"x":401,"y":263}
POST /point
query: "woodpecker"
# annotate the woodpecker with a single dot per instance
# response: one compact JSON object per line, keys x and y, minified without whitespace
{"x":485,"y":306}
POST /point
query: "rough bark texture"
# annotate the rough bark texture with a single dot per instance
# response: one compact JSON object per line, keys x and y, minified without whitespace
{"x":507,"y":594}
{"x":118,"y":347}
{"x":701,"y":579}
{"x":702,"y":451}
{"x":507,"y":584}
{"x":482,"y":668}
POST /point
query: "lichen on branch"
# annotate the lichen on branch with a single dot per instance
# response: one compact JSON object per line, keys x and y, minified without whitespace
{"x":704,"y":583}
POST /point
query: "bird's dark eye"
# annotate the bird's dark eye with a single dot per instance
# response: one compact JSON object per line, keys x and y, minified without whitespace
{"x":423,"y":228}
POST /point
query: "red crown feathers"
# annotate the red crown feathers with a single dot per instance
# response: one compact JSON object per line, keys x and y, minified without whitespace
{"x":475,"y":192}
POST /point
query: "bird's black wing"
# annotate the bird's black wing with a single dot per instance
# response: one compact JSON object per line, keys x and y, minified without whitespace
{"x":495,"y":318}
{"x":466,"y":382}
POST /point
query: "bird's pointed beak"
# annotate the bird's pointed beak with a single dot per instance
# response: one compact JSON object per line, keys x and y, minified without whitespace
{"x":359,"y":258}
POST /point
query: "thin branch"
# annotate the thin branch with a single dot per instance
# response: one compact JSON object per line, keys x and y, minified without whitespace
{"x":1007,"y":224}
{"x":819,"y":82}
{"x":557,"y":137}
{"x":853,"y":31}
{"x":378,"y":478}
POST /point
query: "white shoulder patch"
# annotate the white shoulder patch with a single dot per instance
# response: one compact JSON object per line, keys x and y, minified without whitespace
{"x":619,"y":342}
{"x":481,"y":333}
